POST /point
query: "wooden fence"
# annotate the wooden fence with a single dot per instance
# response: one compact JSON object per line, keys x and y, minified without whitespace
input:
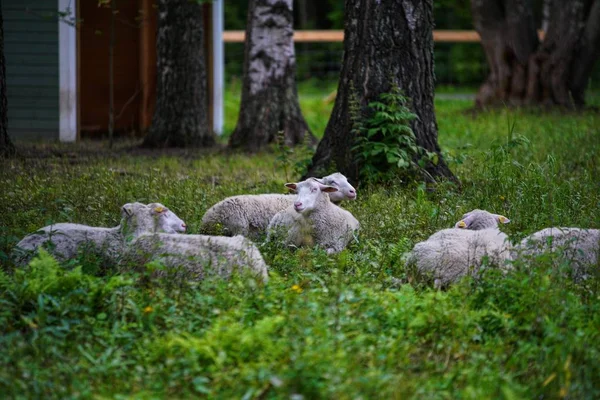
{"x":338,"y":36}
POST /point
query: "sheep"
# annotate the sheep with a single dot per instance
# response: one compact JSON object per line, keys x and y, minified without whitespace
{"x":199,"y":255}
{"x":249,"y":215}
{"x":450,"y":254}
{"x":66,"y":239}
{"x":581,"y":247}
{"x":314,"y":219}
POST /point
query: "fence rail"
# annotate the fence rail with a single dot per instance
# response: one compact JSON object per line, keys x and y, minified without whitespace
{"x":338,"y":36}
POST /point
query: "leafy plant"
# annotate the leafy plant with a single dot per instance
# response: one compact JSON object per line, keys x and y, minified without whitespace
{"x":293,"y":159}
{"x":386,"y":147}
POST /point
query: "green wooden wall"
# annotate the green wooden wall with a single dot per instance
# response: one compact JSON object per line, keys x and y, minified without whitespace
{"x":32,"y":68}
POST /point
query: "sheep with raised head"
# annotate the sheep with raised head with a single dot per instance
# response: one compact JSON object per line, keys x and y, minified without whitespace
{"x":579,"y":247}
{"x":249,"y":215}
{"x":196,"y":256}
{"x":450,"y":254}
{"x":66,"y":239}
{"x":313,"y":219}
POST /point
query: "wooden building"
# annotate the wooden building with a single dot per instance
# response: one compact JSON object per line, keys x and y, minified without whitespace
{"x":57,"y":67}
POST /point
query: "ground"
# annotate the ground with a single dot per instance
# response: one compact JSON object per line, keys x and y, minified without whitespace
{"x":354,"y":325}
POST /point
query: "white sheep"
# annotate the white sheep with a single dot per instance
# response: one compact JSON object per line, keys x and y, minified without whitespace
{"x":579,"y":247}
{"x":198,"y":255}
{"x":249,"y":215}
{"x":66,"y":239}
{"x":450,"y":254}
{"x":313,"y":219}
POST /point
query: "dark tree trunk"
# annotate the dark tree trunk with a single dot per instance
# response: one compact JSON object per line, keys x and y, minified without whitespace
{"x":6,"y":146}
{"x":524,"y":70}
{"x":386,"y":42}
{"x":180,"y":118}
{"x":269,"y":96}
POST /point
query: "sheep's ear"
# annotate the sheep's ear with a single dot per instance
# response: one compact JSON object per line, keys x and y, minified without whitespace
{"x":328,"y":189}
{"x":160,"y":209}
{"x":292,"y":186}
{"x":127,"y":209}
{"x":465,"y":222}
{"x":502,"y":219}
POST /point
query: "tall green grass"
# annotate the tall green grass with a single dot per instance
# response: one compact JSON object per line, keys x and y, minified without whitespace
{"x":353,"y":325}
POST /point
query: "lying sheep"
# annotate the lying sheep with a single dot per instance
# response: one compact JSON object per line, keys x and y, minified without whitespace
{"x":450,"y":254}
{"x":314,"y":219}
{"x":65,"y":239}
{"x":249,"y":215}
{"x":197,"y":256}
{"x":580,"y":247}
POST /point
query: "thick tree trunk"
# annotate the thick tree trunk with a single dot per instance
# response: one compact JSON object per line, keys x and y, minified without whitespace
{"x":6,"y":146}
{"x":269,"y":96}
{"x":180,"y":118}
{"x":525,"y":71}
{"x":386,"y":42}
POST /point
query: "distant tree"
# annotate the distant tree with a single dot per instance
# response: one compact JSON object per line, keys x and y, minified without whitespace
{"x":6,"y":146}
{"x":269,"y":95}
{"x":386,"y":43}
{"x":180,"y":118}
{"x":525,"y":70}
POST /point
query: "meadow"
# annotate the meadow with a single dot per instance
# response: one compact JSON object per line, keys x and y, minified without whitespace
{"x":349,"y":326}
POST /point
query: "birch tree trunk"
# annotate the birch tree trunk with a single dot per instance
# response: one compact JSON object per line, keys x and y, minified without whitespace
{"x":6,"y":146}
{"x":524,"y":70}
{"x":180,"y":117}
{"x":269,"y":95}
{"x":386,"y":42}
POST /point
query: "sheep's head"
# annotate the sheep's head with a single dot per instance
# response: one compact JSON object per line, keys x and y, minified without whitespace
{"x":480,"y":219}
{"x":140,"y":218}
{"x":309,"y":193}
{"x":345,"y":190}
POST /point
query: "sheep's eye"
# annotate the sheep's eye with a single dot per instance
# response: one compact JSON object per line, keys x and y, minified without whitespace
{"x":313,"y":189}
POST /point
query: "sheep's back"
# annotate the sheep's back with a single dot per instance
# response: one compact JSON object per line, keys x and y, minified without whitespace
{"x":66,"y":240}
{"x":580,"y":247}
{"x":245,"y":214}
{"x":198,"y":255}
{"x":453,"y":253}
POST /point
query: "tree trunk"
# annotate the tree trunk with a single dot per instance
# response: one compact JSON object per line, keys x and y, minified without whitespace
{"x":269,"y":95}
{"x":525,"y":71}
{"x":180,"y":118}
{"x":386,"y":42}
{"x":6,"y":146}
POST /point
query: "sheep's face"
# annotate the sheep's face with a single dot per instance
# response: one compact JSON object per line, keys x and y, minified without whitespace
{"x":345,"y":190}
{"x":166,"y":220}
{"x":309,"y":193}
{"x":481,"y":219}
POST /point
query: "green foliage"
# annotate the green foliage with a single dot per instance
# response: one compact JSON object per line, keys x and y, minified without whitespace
{"x":293,"y":160}
{"x":355,"y":325}
{"x":385,"y":146}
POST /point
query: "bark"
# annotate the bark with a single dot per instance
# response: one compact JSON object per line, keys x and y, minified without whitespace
{"x":180,"y":117}
{"x":386,"y":42}
{"x":526,"y":71}
{"x":6,"y":146}
{"x":587,"y":55}
{"x":269,"y":95}
{"x":508,"y":37}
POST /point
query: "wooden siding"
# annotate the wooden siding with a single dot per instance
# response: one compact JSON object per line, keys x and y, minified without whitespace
{"x":31,"y":50}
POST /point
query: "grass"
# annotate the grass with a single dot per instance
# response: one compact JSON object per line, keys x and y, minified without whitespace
{"x":352,"y":325}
